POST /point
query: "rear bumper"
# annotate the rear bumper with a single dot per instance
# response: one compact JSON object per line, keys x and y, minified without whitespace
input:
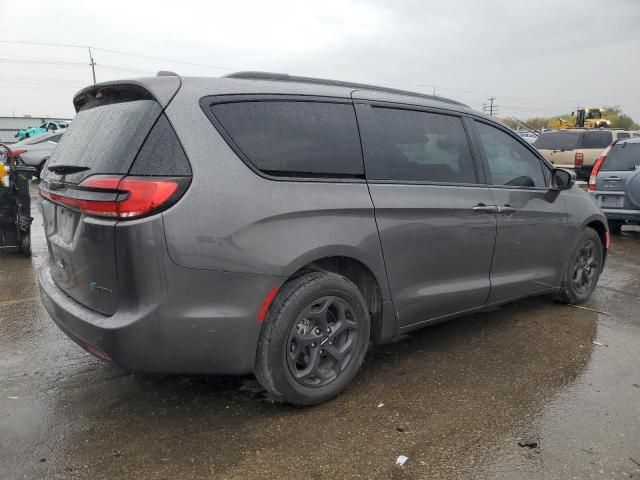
{"x":619,"y":214}
{"x":206,"y":325}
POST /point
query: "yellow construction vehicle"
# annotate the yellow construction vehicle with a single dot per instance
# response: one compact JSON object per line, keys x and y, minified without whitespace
{"x":582,"y":118}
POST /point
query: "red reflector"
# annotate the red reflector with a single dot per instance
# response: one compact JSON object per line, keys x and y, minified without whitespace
{"x":607,"y":240}
{"x":262,"y":314}
{"x":15,"y":153}
{"x":97,"y":352}
{"x":126,"y":197}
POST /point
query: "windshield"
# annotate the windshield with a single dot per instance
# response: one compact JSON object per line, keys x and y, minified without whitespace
{"x":558,"y":141}
{"x":622,"y":157}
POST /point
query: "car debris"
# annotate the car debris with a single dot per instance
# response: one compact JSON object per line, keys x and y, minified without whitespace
{"x":531,"y":442}
{"x":401,"y":460}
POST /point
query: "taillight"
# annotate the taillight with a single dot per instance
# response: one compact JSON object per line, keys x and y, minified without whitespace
{"x":579,"y":159}
{"x":597,"y":166}
{"x":119,"y":197}
{"x":15,"y":153}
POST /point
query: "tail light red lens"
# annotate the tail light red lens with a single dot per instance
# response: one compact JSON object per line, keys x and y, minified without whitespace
{"x":15,"y":153}
{"x":579,"y":159}
{"x":597,"y":166}
{"x":119,"y":197}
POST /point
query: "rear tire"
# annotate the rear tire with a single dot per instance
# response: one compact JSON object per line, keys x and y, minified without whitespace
{"x":583,"y":268}
{"x":313,"y":340}
{"x":40,"y":168}
{"x":25,"y":245}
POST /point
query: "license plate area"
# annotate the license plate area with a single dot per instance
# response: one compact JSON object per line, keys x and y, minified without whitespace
{"x":611,"y":201}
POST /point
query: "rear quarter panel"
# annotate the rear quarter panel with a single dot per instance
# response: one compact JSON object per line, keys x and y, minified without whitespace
{"x":232,"y":219}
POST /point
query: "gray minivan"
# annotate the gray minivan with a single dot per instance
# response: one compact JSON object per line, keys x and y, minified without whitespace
{"x":276,"y":225}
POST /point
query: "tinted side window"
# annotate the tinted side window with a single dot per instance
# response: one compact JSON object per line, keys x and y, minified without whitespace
{"x":623,"y":135}
{"x":510,"y":162}
{"x":597,"y":139}
{"x":295,"y":137}
{"x":161,"y":153}
{"x":410,"y":145}
{"x":562,"y":140}
{"x":623,"y":156}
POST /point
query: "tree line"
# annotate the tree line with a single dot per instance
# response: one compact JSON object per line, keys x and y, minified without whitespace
{"x":614,"y":114}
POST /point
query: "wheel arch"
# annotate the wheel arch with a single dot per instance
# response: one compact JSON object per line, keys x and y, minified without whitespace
{"x":603,"y":232}
{"x":357,"y":272}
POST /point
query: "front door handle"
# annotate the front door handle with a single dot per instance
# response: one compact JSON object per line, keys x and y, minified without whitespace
{"x":507,"y":209}
{"x":482,"y":208}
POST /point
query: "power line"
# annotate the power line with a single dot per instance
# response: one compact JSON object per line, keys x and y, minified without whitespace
{"x":474,"y":96}
{"x":120,"y":52}
{"x":41,"y":62}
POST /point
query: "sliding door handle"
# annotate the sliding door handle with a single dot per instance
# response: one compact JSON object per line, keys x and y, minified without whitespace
{"x":507,"y":209}
{"x":482,"y":208}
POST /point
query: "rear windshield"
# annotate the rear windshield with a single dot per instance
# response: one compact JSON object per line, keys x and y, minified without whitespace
{"x":597,"y":139}
{"x":622,"y":157}
{"x":558,"y":141}
{"x":105,"y":138}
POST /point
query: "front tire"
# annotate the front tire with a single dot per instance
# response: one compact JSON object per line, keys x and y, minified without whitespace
{"x":583,"y":268}
{"x":313,"y":340}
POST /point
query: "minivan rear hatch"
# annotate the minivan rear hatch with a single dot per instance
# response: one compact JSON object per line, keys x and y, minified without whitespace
{"x":98,"y":150}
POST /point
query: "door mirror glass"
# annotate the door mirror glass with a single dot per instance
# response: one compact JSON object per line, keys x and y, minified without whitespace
{"x":562,"y":179}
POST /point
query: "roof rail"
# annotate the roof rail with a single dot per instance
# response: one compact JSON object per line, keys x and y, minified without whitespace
{"x":285,"y":77}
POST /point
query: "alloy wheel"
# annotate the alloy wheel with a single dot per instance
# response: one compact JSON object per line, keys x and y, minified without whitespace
{"x":322,"y":341}
{"x":585,"y":268}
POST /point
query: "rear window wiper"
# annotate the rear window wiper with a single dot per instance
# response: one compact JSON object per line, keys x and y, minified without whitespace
{"x":66,"y":169}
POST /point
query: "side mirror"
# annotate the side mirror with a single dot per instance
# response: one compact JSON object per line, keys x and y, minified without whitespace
{"x":562,"y":179}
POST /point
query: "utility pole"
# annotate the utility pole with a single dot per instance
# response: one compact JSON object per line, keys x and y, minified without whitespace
{"x":490,"y":109}
{"x":92,"y":65}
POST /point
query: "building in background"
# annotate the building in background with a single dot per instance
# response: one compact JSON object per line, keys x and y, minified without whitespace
{"x":9,"y":126}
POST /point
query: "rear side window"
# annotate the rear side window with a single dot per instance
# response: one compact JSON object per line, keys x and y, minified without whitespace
{"x":597,"y":139}
{"x":408,"y":145}
{"x":162,"y":154}
{"x":294,"y":138}
{"x":105,"y":138}
{"x":621,"y":135}
{"x":558,"y":141}
{"x":623,"y":157}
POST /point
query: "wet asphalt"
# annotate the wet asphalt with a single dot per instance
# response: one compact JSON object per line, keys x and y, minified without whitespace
{"x":454,"y":398}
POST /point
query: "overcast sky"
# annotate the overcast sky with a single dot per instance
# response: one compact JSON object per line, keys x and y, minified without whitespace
{"x":535,"y":57}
